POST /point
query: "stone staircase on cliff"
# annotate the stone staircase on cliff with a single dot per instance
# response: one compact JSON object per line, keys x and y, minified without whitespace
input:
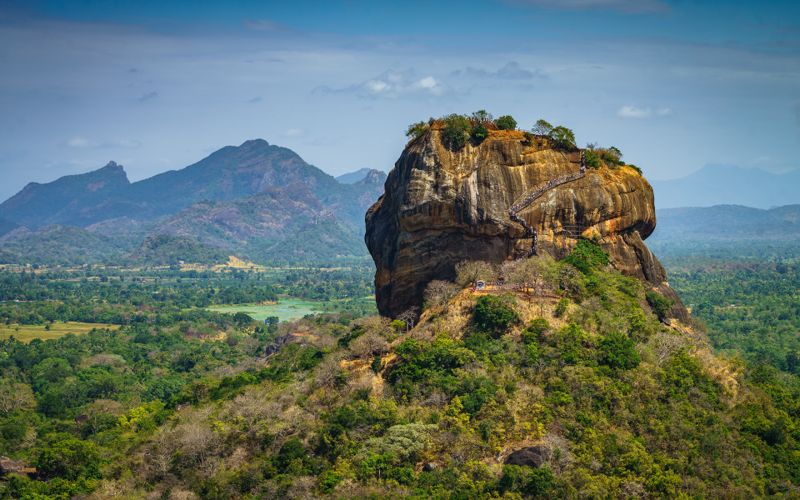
{"x":532,"y":194}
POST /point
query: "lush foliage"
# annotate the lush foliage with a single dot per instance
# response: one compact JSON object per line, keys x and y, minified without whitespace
{"x":660,"y":304}
{"x":223,"y":407}
{"x":119,"y":296}
{"x":459,"y":130}
{"x":456,"y":131}
{"x":494,"y":315}
{"x":597,"y":156}
{"x":749,"y":307}
{"x":587,"y":256}
{"x":562,"y":137}
{"x":417,"y":129}
{"x":506,"y":122}
{"x":542,"y":127}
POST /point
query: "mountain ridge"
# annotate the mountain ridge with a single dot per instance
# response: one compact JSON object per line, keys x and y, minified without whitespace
{"x":355,"y":176}
{"x":723,"y":185}
{"x":208,"y":196}
{"x":727,"y":223}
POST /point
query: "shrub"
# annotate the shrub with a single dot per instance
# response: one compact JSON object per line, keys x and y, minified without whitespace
{"x":613,"y":155}
{"x":481,"y":122}
{"x":530,"y":338}
{"x":561,"y":308}
{"x":456,"y":131}
{"x":479,"y":133}
{"x":618,"y":352}
{"x":506,"y":122}
{"x":535,"y":330}
{"x":439,"y":292}
{"x":572,"y":281}
{"x":587,"y":256}
{"x":69,"y":459}
{"x":416,"y":130}
{"x":542,"y":127}
{"x":468,"y":271}
{"x":328,"y":481}
{"x":369,"y":345}
{"x":527,"y":480}
{"x":494,"y":315}
{"x":482,"y":117}
{"x":291,"y":455}
{"x":660,"y":304}
{"x":592,"y":160}
{"x":538,"y":272}
{"x":476,"y":392}
{"x":570,"y":342}
{"x":563,"y":138}
{"x":428,"y":363}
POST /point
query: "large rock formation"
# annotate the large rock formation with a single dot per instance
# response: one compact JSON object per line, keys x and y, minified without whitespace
{"x":441,"y":207}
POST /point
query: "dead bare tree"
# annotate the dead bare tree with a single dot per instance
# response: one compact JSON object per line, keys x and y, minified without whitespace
{"x":409,"y":317}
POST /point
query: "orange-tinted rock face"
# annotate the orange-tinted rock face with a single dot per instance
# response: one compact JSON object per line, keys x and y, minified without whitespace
{"x":441,"y":207}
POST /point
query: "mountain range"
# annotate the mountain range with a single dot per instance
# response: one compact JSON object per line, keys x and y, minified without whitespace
{"x":353,"y":177}
{"x":725,"y":231}
{"x":727,"y":223}
{"x":257,"y":201}
{"x":725,"y":185}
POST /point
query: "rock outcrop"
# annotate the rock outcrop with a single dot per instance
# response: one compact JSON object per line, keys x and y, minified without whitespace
{"x":441,"y":207}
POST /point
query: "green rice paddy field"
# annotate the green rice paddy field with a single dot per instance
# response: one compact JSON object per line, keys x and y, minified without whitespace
{"x":26,"y":333}
{"x":286,"y":309}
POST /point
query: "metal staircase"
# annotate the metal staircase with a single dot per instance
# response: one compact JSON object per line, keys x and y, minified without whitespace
{"x":532,"y":194}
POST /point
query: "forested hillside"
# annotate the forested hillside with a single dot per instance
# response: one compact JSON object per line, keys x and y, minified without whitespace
{"x":571,"y":387}
{"x":257,"y":201}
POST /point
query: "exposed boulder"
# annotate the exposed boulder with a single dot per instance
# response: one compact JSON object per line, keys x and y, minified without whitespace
{"x":532,"y":456}
{"x":442,"y":206}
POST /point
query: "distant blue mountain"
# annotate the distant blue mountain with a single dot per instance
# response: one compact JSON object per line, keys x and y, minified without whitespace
{"x":256,"y":201}
{"x":725,"y":223}
{"x":353,"y":177}
{"x":720,"y":185}
{"x":7,"y":226}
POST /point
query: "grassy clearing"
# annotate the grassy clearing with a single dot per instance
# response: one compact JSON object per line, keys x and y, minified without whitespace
{"x":286,"y":309}
{"x":26,"y":333}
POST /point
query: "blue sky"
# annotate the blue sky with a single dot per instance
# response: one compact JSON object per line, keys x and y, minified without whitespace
{"x":157,"y":85}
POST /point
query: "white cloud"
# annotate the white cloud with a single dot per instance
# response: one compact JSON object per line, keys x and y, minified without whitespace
{"x":510,"y":71}
{"x":377,"y":86}
{"x":294,"y":132}
{"x":392,"y":84}
{"x":428,"y":82}
{"x":78,"y":142}
{"x":630,"y":111}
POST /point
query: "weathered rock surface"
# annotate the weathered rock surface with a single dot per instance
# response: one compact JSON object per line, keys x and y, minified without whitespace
{"x":532,"y":456}
{"x":441,"y":207}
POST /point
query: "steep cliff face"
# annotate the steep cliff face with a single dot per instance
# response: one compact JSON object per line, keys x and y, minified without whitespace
{"x":441,"y":207}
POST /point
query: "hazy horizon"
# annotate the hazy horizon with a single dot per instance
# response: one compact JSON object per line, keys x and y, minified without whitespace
{"x":676,"y":86}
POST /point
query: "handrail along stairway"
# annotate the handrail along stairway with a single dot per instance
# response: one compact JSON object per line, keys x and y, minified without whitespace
{"x":532,"y":194}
